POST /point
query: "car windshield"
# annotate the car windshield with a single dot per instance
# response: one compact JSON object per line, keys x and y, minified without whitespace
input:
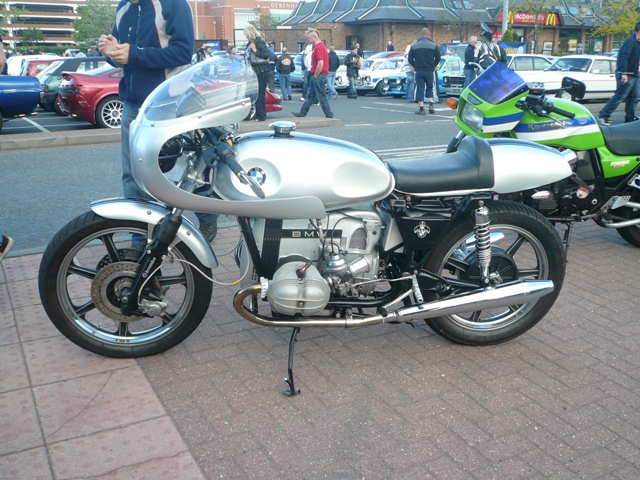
{"x":498,"y":84}
{"x":570,"y":65}
{"x":213,"y":86}
{"x":52,"y":66}
{"x":368,"y":64}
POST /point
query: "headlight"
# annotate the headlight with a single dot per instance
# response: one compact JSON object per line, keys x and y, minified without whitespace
{"x":398,"y":81}
{"x":338,"y":79}
{"x":538,"y":84}
{"x":385,"y":80}
{"x":367,"y":78}
{"x":471,"y":116}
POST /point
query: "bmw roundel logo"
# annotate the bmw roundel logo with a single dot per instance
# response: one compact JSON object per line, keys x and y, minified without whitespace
{"x":258,"y":175}
{"x":422,"y":230}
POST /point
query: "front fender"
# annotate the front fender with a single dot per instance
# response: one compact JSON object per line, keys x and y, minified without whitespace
{"x":153,"y":213}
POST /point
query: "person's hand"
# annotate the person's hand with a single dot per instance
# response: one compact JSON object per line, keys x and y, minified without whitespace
{"x":120,"y":54}
{"x":625,"y":79}
{"x":106,"y":44}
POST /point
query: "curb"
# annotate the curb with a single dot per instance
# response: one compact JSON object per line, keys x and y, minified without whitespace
{"x":90,"y":137}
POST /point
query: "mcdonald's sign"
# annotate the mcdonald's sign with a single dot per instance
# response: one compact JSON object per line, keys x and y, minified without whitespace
{"x":532,"y":18}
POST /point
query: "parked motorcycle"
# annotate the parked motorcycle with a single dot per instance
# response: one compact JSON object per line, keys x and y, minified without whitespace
{"x":605,"y":181}
{"x":331,"y":236}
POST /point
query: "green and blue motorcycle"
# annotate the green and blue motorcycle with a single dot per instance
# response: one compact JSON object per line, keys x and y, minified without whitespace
{"x":605,"y":185}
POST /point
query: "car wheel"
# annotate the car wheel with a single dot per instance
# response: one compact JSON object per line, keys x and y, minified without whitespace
{"x":109,"y":112}
{"x":379,"y":89}
{"x":57,"y":105}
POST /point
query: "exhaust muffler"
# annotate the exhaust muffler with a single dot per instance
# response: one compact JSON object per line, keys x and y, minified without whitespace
{"x":513,"y":293}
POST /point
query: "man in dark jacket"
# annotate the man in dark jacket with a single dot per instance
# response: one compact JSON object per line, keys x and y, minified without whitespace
{"x":353,"y":63}
{"x":334,"y":63}
{"x":150,"y":47}
{"x":424,"y":57}
{"x":469,"y":59}
{"x":285,"y":66}
{"x":626,"y":80}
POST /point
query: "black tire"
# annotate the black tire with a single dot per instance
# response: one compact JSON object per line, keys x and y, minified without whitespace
{"x":109,"y":112}
{"x":81,"y":270}
{"x":630,"y":234}
{"x":378,"y":89}
{"x":530,"y":249}
{"x":57,"y":106}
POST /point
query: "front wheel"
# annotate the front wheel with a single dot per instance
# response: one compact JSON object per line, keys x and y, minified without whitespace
{"x":109,"y":112}
{"x":91,"y":263}
{"x":524,"y":246}
{"x":630,"y":234}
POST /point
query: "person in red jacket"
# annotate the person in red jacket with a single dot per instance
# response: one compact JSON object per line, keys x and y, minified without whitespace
{"x":320,"y":69}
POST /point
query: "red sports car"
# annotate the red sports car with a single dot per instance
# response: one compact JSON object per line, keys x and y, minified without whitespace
{"x":93,"y":96}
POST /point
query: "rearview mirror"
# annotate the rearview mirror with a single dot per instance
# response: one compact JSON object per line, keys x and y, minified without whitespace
{"x":576,"y":88}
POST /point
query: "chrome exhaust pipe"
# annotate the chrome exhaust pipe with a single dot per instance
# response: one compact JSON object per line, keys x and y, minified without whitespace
{"x":514,"y":293}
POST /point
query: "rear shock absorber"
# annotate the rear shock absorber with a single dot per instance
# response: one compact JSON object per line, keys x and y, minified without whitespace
{"x":483,"y":242}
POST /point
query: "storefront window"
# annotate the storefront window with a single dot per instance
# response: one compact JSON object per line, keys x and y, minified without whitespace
{"x":568,"y":42}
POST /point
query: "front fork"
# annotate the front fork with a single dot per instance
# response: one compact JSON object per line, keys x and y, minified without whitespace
{"x":151,"y":259}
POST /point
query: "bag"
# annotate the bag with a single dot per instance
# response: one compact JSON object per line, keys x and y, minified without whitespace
{"x":255,"y":60}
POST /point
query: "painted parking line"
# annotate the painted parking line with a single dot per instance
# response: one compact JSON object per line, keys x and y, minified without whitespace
{"x":36,"y":125}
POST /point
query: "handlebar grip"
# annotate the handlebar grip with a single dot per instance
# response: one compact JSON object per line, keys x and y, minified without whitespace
{"x":564,"y":113}
{"x":227,"y":156}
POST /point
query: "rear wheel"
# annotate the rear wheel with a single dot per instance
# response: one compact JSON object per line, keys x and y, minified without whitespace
{"x":57,"y":105}
{"x":630,"y":234}
{"x":84,"y":276}
{"x":524,"y":246}
{"x":109,"y":112}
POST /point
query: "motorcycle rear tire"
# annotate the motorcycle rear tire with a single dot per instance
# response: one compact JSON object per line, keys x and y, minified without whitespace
{"x":528,"y":236}
{"x":90,"y":261}
{"x":630,"y":234}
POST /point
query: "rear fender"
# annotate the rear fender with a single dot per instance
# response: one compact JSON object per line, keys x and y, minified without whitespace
{"x":152,"y":213}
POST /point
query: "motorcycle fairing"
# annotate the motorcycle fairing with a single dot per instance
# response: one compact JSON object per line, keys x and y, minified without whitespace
{"x":153,"y":213}
{"x":614,"y":165}
{"x":502,"y":123}
{"x":568,"y":133}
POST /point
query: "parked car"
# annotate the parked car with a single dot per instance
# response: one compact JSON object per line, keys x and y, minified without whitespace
{"x":51,"y":76}
{"x":15,"y":62}
{"x":34,"y":66}
{"x":19,"y":96}
{"x":520,"y":62}
{"x":93,"y":96}
{"x":375,"y":69}
{"x":396,"y":84}
{"x":595,"y":71}
{"x":297,"y":77}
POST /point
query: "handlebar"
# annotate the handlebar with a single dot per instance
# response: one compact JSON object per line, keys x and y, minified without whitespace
{"x":227,"y":155}
{"x":539,"y":105}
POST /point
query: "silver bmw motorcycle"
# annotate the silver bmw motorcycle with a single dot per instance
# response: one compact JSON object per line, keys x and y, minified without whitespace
{"x":331,"y":236}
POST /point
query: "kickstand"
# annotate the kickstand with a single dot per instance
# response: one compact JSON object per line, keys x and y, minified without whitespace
{"x":292,"y":389}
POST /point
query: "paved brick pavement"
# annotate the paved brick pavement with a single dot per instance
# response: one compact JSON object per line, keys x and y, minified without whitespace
{"x":391,"y":401}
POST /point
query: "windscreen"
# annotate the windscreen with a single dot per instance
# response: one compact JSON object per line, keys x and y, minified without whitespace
{"x":213,"y":85}
{"x":497,"y":84}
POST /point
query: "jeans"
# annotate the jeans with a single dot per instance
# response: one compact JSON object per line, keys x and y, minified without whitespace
{"x":285,"y":86}
{"x":307,"y":82}
{"x":623,"y":90}
{"x":129,"y":185}
{"x":411,"y":87}
{"x":469,"y":76}
{"x":352,"y":92}
{"x":261,"y":106}
{"x":424,"y":78}
{"x":317,"y":90}
{"x":331,"y":78}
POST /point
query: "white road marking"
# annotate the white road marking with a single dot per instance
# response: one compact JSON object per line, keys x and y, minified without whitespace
{"x":37,"y":125}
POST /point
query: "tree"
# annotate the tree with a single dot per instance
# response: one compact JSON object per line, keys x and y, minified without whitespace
{"x":97,"y":17}
{"x":31,"y":36}
{"x":619,"y":16}
{"x":265,"y":21}
{"x":10,"y":20}
{"x":463,"y":26}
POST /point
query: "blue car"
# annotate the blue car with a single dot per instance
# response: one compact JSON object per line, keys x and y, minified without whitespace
{"x":19,"y":96}
{"x":395,"y":85}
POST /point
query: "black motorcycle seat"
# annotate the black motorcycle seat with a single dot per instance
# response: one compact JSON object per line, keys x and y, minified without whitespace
{"x":470,"y":168}
{"x":622,"y":139}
